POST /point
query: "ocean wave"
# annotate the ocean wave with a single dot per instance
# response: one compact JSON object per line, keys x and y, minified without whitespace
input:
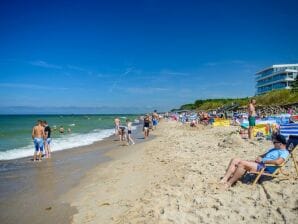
{"x":58,"y":144}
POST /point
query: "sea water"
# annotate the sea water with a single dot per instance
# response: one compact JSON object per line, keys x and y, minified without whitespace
{"x":15,"y":132}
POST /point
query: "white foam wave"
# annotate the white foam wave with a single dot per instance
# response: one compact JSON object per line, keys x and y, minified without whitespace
{"x":58,"y":144}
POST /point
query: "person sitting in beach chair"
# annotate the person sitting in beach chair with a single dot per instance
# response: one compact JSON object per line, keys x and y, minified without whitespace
{"x":204,"y":119}
{"x":275,"y":156}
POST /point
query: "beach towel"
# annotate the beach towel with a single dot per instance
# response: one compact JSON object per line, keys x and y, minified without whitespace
{"x":221,"y":122}
{"x":261,"y":129}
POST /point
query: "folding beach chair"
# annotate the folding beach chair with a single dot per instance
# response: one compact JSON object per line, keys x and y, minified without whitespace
{"x":279,"y":172}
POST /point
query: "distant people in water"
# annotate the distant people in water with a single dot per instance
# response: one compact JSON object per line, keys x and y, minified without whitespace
{"x":69,"y":130}
{"x":61,"y":129}
{"x":47,"y":139}
{"x":38,"y":138}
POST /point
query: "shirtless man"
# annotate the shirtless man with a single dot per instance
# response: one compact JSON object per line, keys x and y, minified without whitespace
{"x":155,"y":120}
{"x":38,"y":136}
{"x":251,"y":109}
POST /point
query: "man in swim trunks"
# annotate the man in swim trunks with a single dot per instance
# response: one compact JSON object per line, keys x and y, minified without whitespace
{"x":238,"y":167}
{"x":251,"y":109}
{"x":38,"y":137}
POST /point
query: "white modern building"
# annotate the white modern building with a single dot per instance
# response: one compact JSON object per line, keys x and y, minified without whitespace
{"x":276,"y":77}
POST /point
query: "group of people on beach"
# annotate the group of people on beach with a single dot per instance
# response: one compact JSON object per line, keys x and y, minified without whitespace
{"x":149,"y":123}
{"x":121,"y":131}
{"x":41,"y":135}
{"x":238,"y":167}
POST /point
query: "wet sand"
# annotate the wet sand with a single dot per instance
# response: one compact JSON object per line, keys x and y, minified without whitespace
{"x":31,"y":192}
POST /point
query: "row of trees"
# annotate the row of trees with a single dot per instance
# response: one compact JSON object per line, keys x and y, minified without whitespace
{"x":277,"y":97}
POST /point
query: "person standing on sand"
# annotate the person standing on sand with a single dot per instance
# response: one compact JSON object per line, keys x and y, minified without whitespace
{"x":47,"y":139}
{"x":251,"y":117}
{"x":155,"y":119}
{"x":146,"y":126}
{"x":117,"y":125}
{"x":129,"y":127}
{"x":38,"y":136}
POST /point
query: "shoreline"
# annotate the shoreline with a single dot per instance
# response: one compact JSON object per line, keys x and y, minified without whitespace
{"x":169,"y":178}
{"x":26,"y":183}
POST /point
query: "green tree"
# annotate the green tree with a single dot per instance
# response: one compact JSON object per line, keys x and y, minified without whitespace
{"x":295,"y":85}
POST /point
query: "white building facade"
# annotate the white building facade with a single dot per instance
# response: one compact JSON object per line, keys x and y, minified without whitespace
{"x":276,"y":77}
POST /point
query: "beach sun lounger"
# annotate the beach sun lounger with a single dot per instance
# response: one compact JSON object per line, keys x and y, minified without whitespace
{"x":279,"y":172}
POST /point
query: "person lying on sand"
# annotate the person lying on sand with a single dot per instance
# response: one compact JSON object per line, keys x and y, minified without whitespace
{"x":238,"y":167}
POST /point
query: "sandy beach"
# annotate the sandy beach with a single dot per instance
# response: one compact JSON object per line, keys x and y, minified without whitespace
{"x":173,"y":179}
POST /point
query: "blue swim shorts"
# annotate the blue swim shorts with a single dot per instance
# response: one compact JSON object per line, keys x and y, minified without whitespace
{"x":267,"y":170}
{"x":38,"y":144}
{"x":260,"y":166}
{"x":49,"y":140}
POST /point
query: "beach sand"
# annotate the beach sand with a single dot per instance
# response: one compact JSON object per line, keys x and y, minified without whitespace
{"x":173,"y":179}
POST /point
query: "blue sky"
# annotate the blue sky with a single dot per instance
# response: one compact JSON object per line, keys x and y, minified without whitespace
{"x":125,"y":56}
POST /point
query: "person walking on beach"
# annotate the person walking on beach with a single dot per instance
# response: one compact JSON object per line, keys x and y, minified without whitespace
{"x":117,"y":125}
{"x":129,"y":128}
{"x":155,"y":119}
{"x":251,"y":117}
{"x":122,"y":134}
{"x":146,"y":126}
{"x":47,"y":139}
{"x":38,"y":137}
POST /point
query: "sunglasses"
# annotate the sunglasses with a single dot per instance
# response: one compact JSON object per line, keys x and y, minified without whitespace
{"x":276,"y":142}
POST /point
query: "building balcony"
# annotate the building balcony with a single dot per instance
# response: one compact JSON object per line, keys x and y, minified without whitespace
{"x":260,"y":77}
{"x":289,"y":79}
{"x":270,"y":83}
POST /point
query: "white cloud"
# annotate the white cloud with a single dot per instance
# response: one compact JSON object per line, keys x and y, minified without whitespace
{"x":217,"y":63}
{"x":119,"y":79}
{"x":29,"y":86}
{"x":173,"y":73}
{"x":77,"y":68}
{"x":44,"y":64}
{"x":148,"y":90}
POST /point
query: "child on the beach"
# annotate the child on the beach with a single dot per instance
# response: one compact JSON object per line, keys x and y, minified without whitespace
{"x":129,"y":128}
